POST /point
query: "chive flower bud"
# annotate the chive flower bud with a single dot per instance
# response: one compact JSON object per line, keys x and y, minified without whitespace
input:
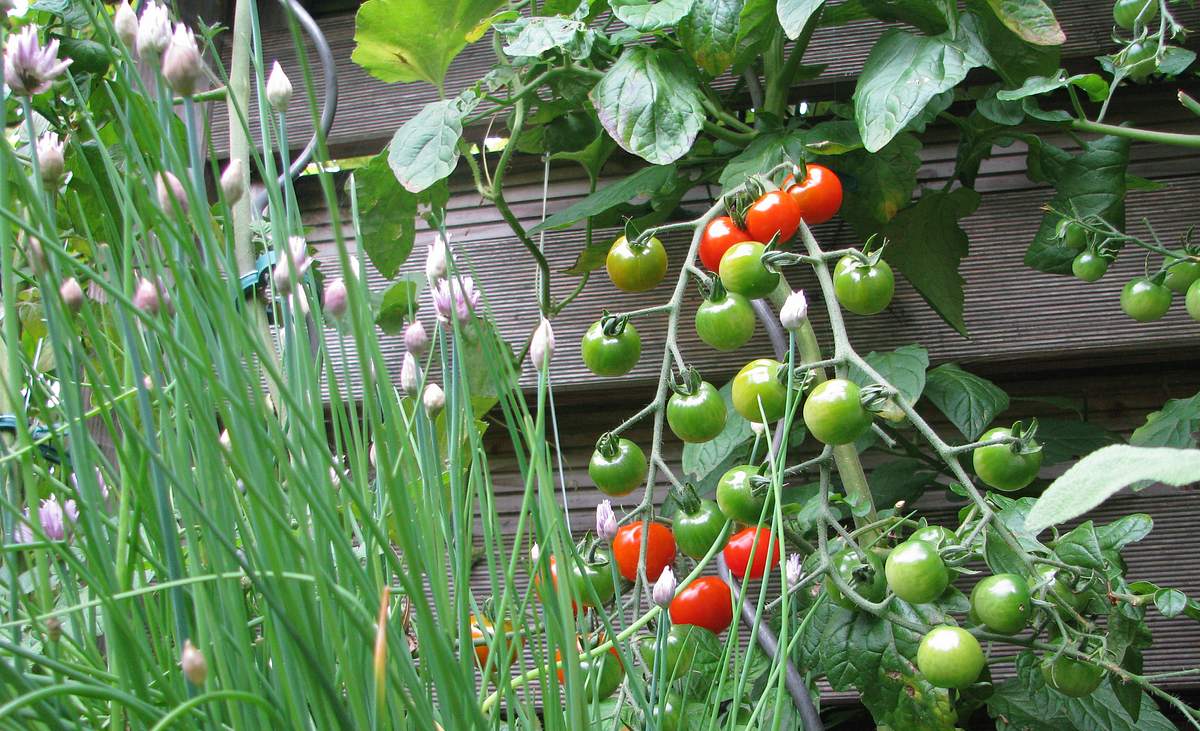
{"x":145,"y":297}
{"x":606,"y":521}
{"x":434,"y":398}
{"x":794,"y":312}
{"x":664,"y":588}
{"x":171,"y":193}
{"x":436,"y":261}
{"x":410,"y":374}
{"x":126,"y":24}
{"x":233,"y":181}
{"x":335,"y":299}
{"x":542,"y":346}
{"x":794,"y":570}
{"x":279,"y":89}
{"x":416,"y":339}
{"x":72,"y":294}
{"x":153,"y":32}
{"x":181,"y":63}
{"x":51,"y":163}
{"x":194,"y":666}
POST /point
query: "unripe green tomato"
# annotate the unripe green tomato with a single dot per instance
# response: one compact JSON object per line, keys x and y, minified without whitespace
{"x":1071,"y":677}
{"x":1140,"y":60}
{"x":1182,"y":275}
{"x":757,"y":386}
{"x":743,"y":272}
{"x":727,"y":323}
{"x":834,"y":414}
{"x":950,"y":657}
{"x":667,"y":716}
{"x":1089,"y":266}
{"x":1075,"y":235}
{"x":1192,"y":300}
{"x":935,"y":535}
{"x":697,"y":532}
{"x":864,"y":575}
{"x":683,"y":640}
{"x":735,"y":495}
{"x":1060,"y":591}
{"x":611,"y":355}
{"x":1002,"y":468}
{"x":862,"y":288}
{"x":621,"y":473}
{"x":1002,"y":603}
{"x":1126,"y":12}
{"x":916,"y":573}
{"x":636,"y":268}
{"x":601,"y":676}
{"x":1145,"y":301}
{"x":697,"y":417}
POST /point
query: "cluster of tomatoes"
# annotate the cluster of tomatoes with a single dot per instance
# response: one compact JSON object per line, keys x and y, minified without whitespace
{"x":1146,"y":298}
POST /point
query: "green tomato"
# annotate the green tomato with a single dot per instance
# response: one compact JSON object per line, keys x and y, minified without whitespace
{"x":597,"y":574}
{"x":618,"y":470}
{"x":726,"y":323}
{"x":668,"y":714}
{"x":1060,"y":590}
{"x":1140,"y":60}
{"x":757,"y":386}
{"x":697,"y":417}
{"x":834,"y":414}
{"x":698,"y":531}
{"x":684,"y":641}
{"x":1074,"y":235}
{"x":935,"y":535}
{"x":636,"y":268}
{"x":1192,"y":300}
{"x":743,"y":272}
{"x":916,"y":573}
{"x":1002,"y":603}
{"x":736,"y":498}
{"x":861,"y":288}
{"x":1182,"y":275}
{"x":950,"y":657}
{"x":601,"y":676}
{"x":1071,"y":677}
{"x":865,"y":576}
{"x":1089,"y":266}
{"x":1002,"y":468}
{"x":611,"y":355}
{"x":1145,"y":301}
{"x":1126,"y":12}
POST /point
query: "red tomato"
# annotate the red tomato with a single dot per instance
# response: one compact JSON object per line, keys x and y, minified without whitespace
{"x":706,"y":602}
{"x":737,"y":553}
{"x":775,"y":212}
{"x":720,"y":234}
{"x":627,"y":546}
{"x":819,"y":195}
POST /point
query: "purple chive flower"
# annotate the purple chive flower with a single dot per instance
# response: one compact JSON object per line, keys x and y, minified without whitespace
{"x":606,"y":521}
{"x":154,"y":31}
{"x":416,"y":339}
{"x":54,"y":517}
{"x":456,"y":298}
{"x":126,"y":24}
{"x":181,"y":63}
{"x":28,"y":67}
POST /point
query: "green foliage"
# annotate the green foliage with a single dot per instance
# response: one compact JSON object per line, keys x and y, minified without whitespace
{"x":970,"y":402}
{"x":387,"y":215}
{"x":425,"y":148}
{"x":1176,"y":425}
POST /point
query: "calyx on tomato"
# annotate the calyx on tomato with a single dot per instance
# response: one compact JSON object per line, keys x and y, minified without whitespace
{"x":699,"y":524}
{"x":1009,"y":466}
{"x":696,"y":411}
{"x":618,"y":466}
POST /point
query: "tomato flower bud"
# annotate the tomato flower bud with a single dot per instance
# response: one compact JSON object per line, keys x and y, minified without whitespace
{"x":541,"y":348}
{"x":233,"y":181}
{"x":126,"y":24}
{"x":194,"y":666}
{"x":50,"y":159}
{"x":335,"y":298}
{"x":606,"y":521}
{"x":664,"y":588}
{"x":145,"y":297}
{"x":794,"y":312}
{"x":434,"y":399}
{"x":154,"y":31}
{"x":72,"y":294}
{"x":416,"y":339}
{"x":279,"y":89}
{"x":171,"y":193}
{"x":794,"y":570}
{"x":181,"y":63}
{"x":437,"y":260}
{"x":410,"y":374}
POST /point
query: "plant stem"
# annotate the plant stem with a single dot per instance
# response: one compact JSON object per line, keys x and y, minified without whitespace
{"x":1140,"y":135}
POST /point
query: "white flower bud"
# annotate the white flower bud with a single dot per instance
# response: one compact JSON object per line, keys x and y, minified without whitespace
{"x":436,"y":266}
{"x":371,"y":455}
{"x":154,"y":31}
{"x":233,"y":181}
{"x":195,"y":668}
{"x":794,"y":570}
{"x":225,"y":441}
{"x":606,"y":521}
{"x":181,"y":64}
{"x":51,"y":162}
{"x":145,"y":297}
{"x":535,"y":552}
{"x":126,"y":24}
{"x":35,"y":255}
{"x":664,"y":588}
{"x":410,"y":374}
{"x":541,"y":349}
{"x":279,"y":89}
{"x":171,"y":193}
{"x":72,"y":294}
{"x":794,"y":312}
{"x":335,"y":298}
{"x":434,"y":398}
{"x":758,"y":428}
{"x":415,"y":338}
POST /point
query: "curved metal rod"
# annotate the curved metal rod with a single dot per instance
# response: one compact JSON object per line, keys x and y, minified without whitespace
{"x":766,"y":638}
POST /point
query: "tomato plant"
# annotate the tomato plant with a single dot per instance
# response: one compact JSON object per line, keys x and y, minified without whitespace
{"x":627,"y":548}
{"x":1007,"y":466}
{"x":1145,"y":300}
{"x":1089,"y":266}
{"x":775,"y":216}
{"x":683,"y":643}
{"x":611,"y":347}
{"x":618,"y":465}
{"x":1181,"y":274}
{"x":483,"y":633}
{"x":719,"y":235}
{"x":864,"y":287}
{"x":1002,"y":603}
{"x":935,"y":535}
{"x":601,"y":676}
{"x":705,"y":602}
{"x":747,"y":551}
{"x":819,"y":193}
{"x":861,"y":572}
{"x":743,"y":271}
{"x":725,"y":320}
{"x":759,"y":390}
{"x":742,"y":494}
{"x":636,"y":267}
{"x":915,"y":572}
{"x":696,"y":411}
{"x":1128,"y":12}
{"x":834,"y":413}
{"x":1193,"y":301}
{"x":699,"y":524}
{"x":1072,"y":677}
{"x":950,"y":657}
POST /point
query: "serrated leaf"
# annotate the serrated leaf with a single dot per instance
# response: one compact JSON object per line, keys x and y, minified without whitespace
{"x":927,"y":245}
{"x":650,"y":104}
{"x":1170,"y":602}
{"x":709,"y":34}
{"x":425,"y":148}
{"x":1031,"y":20}
{"x":1000,"y":557}
{"x":794,"y":15}
{"x":970,"y":402}
{"x":1105,"y":472}
{"x":903,"y":367}
{"x":700,"y":460}
{"x":757,"y":23}
{"x":1177,"y":424}
{"x":1066,"y":439}
{"x":648,"y":15}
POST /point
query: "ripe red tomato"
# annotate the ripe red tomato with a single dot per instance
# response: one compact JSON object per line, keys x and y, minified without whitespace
{"x":627,"y":547}
{"x":706,"y":602}
{"x":718,"y":236}
{"x":738,"y":553}
{"x":819,"y":195}
{"x":775,"y":213}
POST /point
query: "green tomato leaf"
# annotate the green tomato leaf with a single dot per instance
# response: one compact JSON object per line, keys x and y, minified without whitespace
{"x":425,"y":148}
{"x":970,"y":402}
{"x":1123,"y":531}
{"x":1177,"y":424}
{"x":999,"y":555}
{"x":1009,"y":55}
{"x":927,"y":15}
{"x":650,"y":103}
{"x":415,"y":40}
{"x":903,"y":73}
{"x":398,"y":302}
{"x":1068,"y":439}
{"x":1031,"y":20}
{"x":767,"y":150}
{"x":1081,"y":547}
{"x":794,"y":15}
{"x":756,"y":25}
{"x":386,"y":215}
{"x":534,"y":36}
{"x":1175,"y":60}
{"x":644,"y":182}
{"x":900,"y":479}
{"x":1170,"y":602}
{"x":1105,"y":472}
{"x":903,"y":367}
{"x":879,"y":185}
{"x":701,"y":460}
{"x":647,"y":15}
{"x":709,"y":34}
{"x":927,"y":246}
{"x":1033,"y":86}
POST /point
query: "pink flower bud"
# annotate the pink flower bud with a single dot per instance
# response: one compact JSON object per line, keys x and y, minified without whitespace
{"x":53,"y":629}
{"x":336,"y":302}
{"x":279,"y":89}
{"x":434,"y":398}
{"x":410,"y":374}
{"x":415,"y":338}
{"x":233,"y":181}
{"x":51,"y":162}
{"x":664,"y":588}
{"x":171,"y":193}
{"x":436,"y":261}
{"x":72,"y":294}
{"x":193,"y":664}
{"x":35,"y":255}
{"x":145,"y":297}
{"x":154,"y":31}
{"x":295,"y":262}
{"x":181,"y":64}
{"x":794,"y":570}
{"x":606,"y":521}
{"x":126,"y":24}
{"x":541,"y":348}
